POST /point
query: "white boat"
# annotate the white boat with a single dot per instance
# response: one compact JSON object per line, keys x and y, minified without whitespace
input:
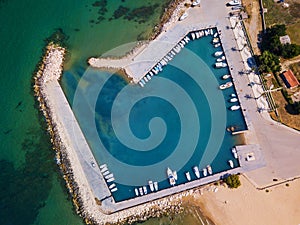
{"x":196,"y":171}
{"x":104,"y":170}
{"x":171,"y":177}
{"x":230,"y":162}
{"x":220,"y":64}
{"x":233,"y":95}
{"x":114,"y":189}
{"x":184,"y":16}
{"x":141,"y":191}
{"x":141,"y":84}
{"x":187,"y":39}
{"x":151,"y":185}
{"x":136,"y":192}
{"x":196,"y":2}
{"x":109,"y":176}
{"x":235,"y":107}
{"x":193,"y":36}
{"x":209,"y":169}
{"x":151,"y":74}
{"x":234,"y":3}
{"x":211,"y":32}
{"x":216,"y":34}
{"x":155,"y":185}
{"x":103,"y":166}
{"x":226,"y":76}
{"x":218,"y":53}
{"x":216,"y":40}
{"x":146,"y":80}
{"x":221,"y":59}
{"x":204,"y":172}
{"x":145,"y":190}
{"x":188,"y":176}
{"x":206,"y":32}
{"x":111,"y":180}
{"x":234,"y":152}
{"x":175,"y":174}
{"x":217,"y":45}
{"x":148,"y":77}
{"x":226,"y":85}
{"x":112,"y":186}
{"x":106,"y":173}
{"x":172,"y":52}
{"x":233,"y":100}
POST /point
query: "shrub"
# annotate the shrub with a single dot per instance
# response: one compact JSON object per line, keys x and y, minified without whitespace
{"x":233,"y":181}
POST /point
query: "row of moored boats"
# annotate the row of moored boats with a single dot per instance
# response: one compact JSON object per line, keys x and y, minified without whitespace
{"x":153,"y":186}
{"x":109,"y":177}
{"x":176,"y":49}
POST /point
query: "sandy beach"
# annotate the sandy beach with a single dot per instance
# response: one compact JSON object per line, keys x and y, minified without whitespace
{"x":247,"y":205}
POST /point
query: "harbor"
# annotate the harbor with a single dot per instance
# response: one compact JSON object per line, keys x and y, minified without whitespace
{"x":93,"y":194}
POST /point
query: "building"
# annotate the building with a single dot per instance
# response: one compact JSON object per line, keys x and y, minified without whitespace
{"x":289,"y":79}
{"x":285,"y":39}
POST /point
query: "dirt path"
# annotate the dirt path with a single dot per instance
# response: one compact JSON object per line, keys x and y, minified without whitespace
{"x":253,"y":24}
{"x":285,"y":65}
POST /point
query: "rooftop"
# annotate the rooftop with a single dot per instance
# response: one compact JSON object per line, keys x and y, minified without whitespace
{"x":289,"y":79}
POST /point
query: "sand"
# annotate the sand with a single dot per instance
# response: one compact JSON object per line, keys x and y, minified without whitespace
{"x":248,"y":206}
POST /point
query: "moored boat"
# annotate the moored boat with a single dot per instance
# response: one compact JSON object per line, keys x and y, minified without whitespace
{"x":233,"y":100}
{"x":148,"y":77}
{"x":141,"y":191}
{"x":226,"y":76}
{"x":155,"y":185}
{"x":233,"y":95}
{"x":204,"y":172}
{"x":188,"y":176}
{"x":226,"y":85}
{"x":220,"y":64}
{"x":112,"y":186}
{"x":217,"y":45}
{"x":103,"y":166}
{"x":172,"y":180}
{"x":216,"y":40}
{"x":196,"y":171}
{"x":145,"y":190}
{"x":109,"y":176}
{"x":218,"y":53}
{"x":111,"y":179}
{"x":234,"y":152}
{"x":235,"y":107}
{"x":196,"y":2}
{"x":230,"y":162}
{"x":151,"y":185}
{"x":209,"y":169}
{"x":106,"y":173}
{"x":221,"y":59}
{"x":141,"y":84}
{"x":104,"y":169}
{"x":193,"y":36}
{"x":136,"y":192}
{"x":175,"y":174}
{"x":114,"y":189}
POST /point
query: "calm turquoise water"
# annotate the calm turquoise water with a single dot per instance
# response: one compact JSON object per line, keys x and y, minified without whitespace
{"x":177,"y":120}
{"x":31,"y":187}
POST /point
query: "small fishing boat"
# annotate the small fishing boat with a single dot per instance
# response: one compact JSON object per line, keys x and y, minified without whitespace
{"x":234,"y":152}
{"x":209,"y":169}
{"x":151,"y":185}
{"x":230,"y":162}
{"x":196,"y":171}
{"x":109,"y":176}
{"x":141,"y":191}
{"x":103,"y":166}
{"x":170,"y":174}
{"x":233,"y":100}
{"x":221,"y":59}
{"x":218,"y":53}
{"x":145,"y":190}
{"x":226,"y":85}
{"x":204,"y":172}
{"x":217,"y":45}
{"x":136,"y":192}
{"x":235,"y":107}
{"x":226,"y":76}
{"x":184,"y":16}
{"x":114,"y":189}
{"x":112,"y":186}
{"x":220,"y":64}
{"x":216,"y":40}
{"x":111,"y":180}
{"x":106,"y":173}
{"x":188,"y":176}
{"x":155,"y":185}
{"x":141,"y":84}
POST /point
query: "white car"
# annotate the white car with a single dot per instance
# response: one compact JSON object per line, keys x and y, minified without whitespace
{"x":234,"y":3}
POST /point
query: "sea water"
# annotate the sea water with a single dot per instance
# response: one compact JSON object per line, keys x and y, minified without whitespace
{"x":31,"y":187}
{"x":178,"y":120}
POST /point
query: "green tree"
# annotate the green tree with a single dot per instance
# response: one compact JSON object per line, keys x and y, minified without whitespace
{"x":233,"y":181}
{"x":290,"y":50}
{"x":268,"y":62}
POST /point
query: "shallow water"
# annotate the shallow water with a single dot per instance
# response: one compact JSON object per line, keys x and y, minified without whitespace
{"x":31,"y":187}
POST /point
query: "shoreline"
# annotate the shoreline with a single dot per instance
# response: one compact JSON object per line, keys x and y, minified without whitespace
{"x":86,"y":204}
